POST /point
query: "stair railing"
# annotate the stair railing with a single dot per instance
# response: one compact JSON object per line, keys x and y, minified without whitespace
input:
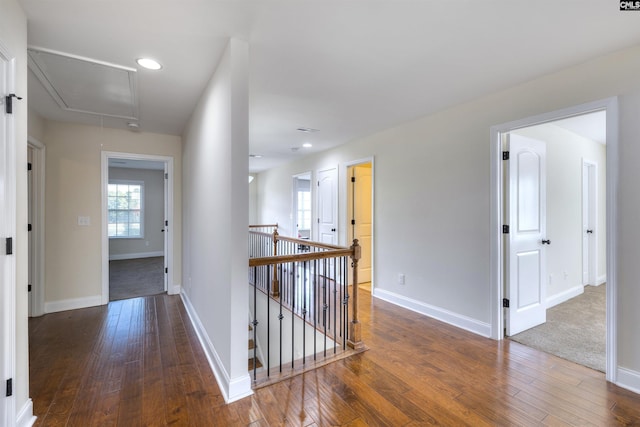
{"x":302,"y":286}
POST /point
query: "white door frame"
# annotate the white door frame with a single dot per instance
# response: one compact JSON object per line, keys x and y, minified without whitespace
{"x":38,"y":226}
{"x":345,"y":210}
{"x":496,"y":203}
{"x":8,"y":229}
{"x":169,"y":208}
{"x":590,"y":187}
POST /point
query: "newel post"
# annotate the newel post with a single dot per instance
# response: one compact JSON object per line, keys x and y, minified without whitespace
{"x":355,"y":334}
{"x":275,"y":285}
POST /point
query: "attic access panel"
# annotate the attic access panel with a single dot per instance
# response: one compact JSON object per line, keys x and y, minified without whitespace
{"x":86,"y":85}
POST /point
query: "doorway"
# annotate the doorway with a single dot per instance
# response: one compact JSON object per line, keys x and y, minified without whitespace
{"x":558,"y":228}
{"x":360,"y":217}
{"x":137,"y":220}
{"x":302,"y":206}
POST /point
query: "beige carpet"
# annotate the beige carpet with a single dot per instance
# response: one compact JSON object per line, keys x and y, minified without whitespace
{"x":575,"y":330}
{"x":131,"y":278}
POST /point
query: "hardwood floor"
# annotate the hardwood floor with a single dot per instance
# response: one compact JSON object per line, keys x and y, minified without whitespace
{"x":138,"y":363}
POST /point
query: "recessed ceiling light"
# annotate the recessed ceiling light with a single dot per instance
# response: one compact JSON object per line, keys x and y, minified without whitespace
{"x":308,"y":130}
{"x":148,"y":63}
{"x":255,"y":156}
{"x":133,"y":125}
{"x":307,"y":145}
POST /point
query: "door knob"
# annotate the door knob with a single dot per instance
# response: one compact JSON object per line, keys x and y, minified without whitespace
{"x":546,"y":242}
{"x":333,"y":229}
{"x":590,"y":231}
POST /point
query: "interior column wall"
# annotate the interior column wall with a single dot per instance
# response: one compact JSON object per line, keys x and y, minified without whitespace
{"x":216,"y":212}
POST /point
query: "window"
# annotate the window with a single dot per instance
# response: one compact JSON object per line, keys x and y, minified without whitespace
{"x":125,"y":201}
{"x":304,"y":209}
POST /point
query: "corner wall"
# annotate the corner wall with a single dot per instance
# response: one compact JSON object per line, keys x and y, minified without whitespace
{"x":216,"y":216}
{"x":432,"y":184}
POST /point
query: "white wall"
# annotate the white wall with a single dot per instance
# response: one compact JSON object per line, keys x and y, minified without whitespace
{"x":153,"y":242}
{"x":432,"y":195}
{"x":13,"y":35}
{"x":565,"y":152}
{"x":215,"y":210}
{"x":73,"y":253}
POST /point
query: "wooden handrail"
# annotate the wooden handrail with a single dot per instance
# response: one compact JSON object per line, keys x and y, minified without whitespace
{"x":305,"y":256}
{"x":298,"y":241}
{"x":263,"y":225}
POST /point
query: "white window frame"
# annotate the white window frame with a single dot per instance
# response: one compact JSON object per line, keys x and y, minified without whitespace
{"x":142,"y":203}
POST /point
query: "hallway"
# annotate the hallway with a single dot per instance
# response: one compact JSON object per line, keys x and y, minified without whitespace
{"x":138,"y":362}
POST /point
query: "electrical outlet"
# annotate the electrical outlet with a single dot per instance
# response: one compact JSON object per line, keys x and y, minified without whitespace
{"x":566,"y":275}
{"x":400,"y":279}
{"x":84,"y":220}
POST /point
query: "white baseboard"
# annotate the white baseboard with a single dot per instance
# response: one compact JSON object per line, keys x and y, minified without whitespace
{"x":232,"y":390}
{"x":72,"y":304}
{"x":626,"y":378}
{"x":601,"y":279}
{"x":117,"y":257}
{"x":174,"y":289}
{"x":25,"y":417}
{"x":563,"y":296}
{"x":455,"y":319}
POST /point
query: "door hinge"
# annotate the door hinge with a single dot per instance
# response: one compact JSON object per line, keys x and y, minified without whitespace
{"x":166,"y":222}
{"x":9,"y":246}
{"x":9,"y":387}
{"x":505,"y":155}
{"x":29,"y":227}
{"x":9,"y":102}
{"x":505,"y":229}
{"x":353,"y":179}
{"x":29,"y":166}
{"x":166,"y":269}
{"x":318,"y":183}
{"x":353,"y":222}
{"x":505,"y":302}
{"x":166,"y":175}
{"x":28,"y":288}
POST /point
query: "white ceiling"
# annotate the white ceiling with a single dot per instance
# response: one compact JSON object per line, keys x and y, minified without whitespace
{"x":347,"y":68}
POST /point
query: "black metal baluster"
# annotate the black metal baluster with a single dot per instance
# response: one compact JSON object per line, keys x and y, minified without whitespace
{"x":293,"y":317}
{"x":304,"y":313}
{"x":268,"y":324}
{"x":255,"y":329}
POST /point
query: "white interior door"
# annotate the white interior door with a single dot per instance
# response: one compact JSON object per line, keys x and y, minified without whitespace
{"x":589,"y":221}
{"x":362,"y":217}
{"x":327,"y":206}
{"x":526,"y":260}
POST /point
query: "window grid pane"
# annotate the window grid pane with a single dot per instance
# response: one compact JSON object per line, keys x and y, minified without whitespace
{"x":125,"y":210}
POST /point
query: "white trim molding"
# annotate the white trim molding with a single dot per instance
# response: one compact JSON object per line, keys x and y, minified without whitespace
{"x":610,"y":105}
{"x":601,"y":279}
{"x":118,"y":257}
{"x":168,"y":250}
{"x":563,"y":296}
{"x":446,"y":316}
{"x":72,"y":304}
{"x":25,"y":417}
{"x":232,"y":388}
{"x":628,"y":379}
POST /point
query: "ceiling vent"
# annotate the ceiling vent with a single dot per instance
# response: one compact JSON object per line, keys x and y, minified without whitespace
{"x":86,"y":85}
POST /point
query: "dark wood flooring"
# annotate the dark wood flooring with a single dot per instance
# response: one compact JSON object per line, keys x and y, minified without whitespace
{"x":138,"y":363}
